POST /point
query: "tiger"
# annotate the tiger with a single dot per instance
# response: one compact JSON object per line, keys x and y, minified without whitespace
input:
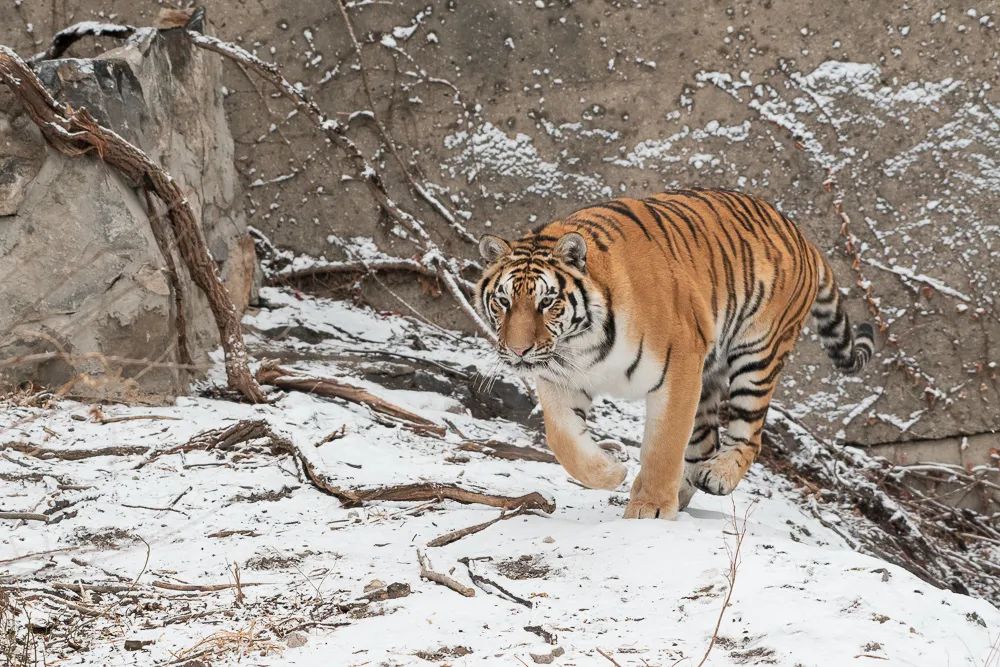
{"x":690,"y":299}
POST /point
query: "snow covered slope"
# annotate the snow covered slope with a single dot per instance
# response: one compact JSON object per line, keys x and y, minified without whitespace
{"x":580,"y":586}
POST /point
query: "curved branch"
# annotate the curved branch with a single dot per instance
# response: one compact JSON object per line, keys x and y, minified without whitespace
{"x":67,"y":37}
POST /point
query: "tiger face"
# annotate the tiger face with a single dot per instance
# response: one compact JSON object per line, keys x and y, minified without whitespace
{"x":538,"y":298}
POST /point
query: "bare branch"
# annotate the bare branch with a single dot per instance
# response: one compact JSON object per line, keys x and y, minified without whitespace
{"x":444,"y":580}
{"x":271,"y":373}
{"x":456,"y":535}
{"x":67,"y":37}
{"x":24,"y":516}
{"x":353,"y":267}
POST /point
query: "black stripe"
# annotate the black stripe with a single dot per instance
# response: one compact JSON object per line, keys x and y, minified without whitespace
{"x":604,"y":349}
{"x":635,"y":364}
{"x":623,"y":209}
{"x":663,"y":374}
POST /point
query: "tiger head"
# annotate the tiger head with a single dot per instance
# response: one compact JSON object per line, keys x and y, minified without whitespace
{"x":537,"y":295}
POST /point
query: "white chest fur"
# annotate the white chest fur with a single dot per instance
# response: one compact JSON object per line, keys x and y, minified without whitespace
{"x":630,"y":369}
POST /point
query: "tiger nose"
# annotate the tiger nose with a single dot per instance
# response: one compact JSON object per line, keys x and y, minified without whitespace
{"x":519,"y":350}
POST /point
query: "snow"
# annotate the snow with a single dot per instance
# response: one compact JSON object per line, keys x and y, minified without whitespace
{"x":489,"y":151}
{"x":644,"y":592}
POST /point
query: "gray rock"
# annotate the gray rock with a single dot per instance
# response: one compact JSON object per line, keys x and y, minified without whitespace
{"x":22,"y":152}
{"x":82,"y":277}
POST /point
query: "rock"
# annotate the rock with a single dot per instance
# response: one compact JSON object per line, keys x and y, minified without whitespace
{"x":374,"y":585}
{"x":241,"y":274}
{"x":22,"y":152}
{"x":547,"y":658}
{"x":390,"y":592}
{"x":90,"y":276}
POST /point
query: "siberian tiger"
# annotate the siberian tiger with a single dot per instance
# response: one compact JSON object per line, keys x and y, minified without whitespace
{"x":686,"y":298}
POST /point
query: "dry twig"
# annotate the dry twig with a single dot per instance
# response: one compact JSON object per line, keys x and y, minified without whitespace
{"x":740,"y":533}
{"x":170,"y":586}
{"x":491,"y":587}
{"x":24,"y":516}
{"x":503,"y":450}
{"x":456,"y":535}
{"x":444,"y":580}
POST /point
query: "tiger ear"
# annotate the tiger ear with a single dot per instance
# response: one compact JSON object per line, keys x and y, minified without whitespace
{"x":572,"y":249}
{"x":493,"y":248}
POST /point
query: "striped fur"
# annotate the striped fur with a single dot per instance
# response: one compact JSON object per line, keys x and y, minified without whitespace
{"x":690,"y":299}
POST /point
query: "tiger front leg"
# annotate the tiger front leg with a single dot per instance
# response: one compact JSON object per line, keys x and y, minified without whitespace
{"x":670,"y":417}
{"x":569,"y":438}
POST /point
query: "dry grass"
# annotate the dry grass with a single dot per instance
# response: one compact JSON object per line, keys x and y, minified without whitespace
{"x":240,"y":643}
{"x":18,"y":641}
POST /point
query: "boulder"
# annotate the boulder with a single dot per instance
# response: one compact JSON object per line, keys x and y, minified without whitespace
{"x":86,"y":286}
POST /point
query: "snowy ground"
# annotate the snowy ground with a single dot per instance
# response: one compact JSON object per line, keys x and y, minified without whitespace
{"x":601,"y":590}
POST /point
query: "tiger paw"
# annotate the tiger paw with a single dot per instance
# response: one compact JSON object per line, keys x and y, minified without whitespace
{"x":720,"y":474}
{"x":642,"y":509}
{"x":645,"y":504}
{"x":599,"y":471}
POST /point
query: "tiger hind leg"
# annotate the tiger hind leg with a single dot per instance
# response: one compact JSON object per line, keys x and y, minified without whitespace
{"x":704,"y":440}
{"x":750,"y":391}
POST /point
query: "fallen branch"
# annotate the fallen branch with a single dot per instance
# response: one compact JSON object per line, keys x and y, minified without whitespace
{"x":241,"y":532}
{"x":421,"y":492}
{"x":44,"y":453}
{"x":444,"y":580}
{"x":608,"y":657}
{"x":503,"y":450}
{"x":272,"y":374}
{"x":128,"y":418}
{"x":491,"y":587}
{"x":456,"y":535}
{"x":166,"y":585}
{"x":74,"y":133}
{"x":97,"y":588}
{"x":353,"y":267}
{"x":222,"y":438}
{"x":154,"y":509}
{"x":432,"y":491}
{"x":82,"y":608}
{"x":24,"y":516}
